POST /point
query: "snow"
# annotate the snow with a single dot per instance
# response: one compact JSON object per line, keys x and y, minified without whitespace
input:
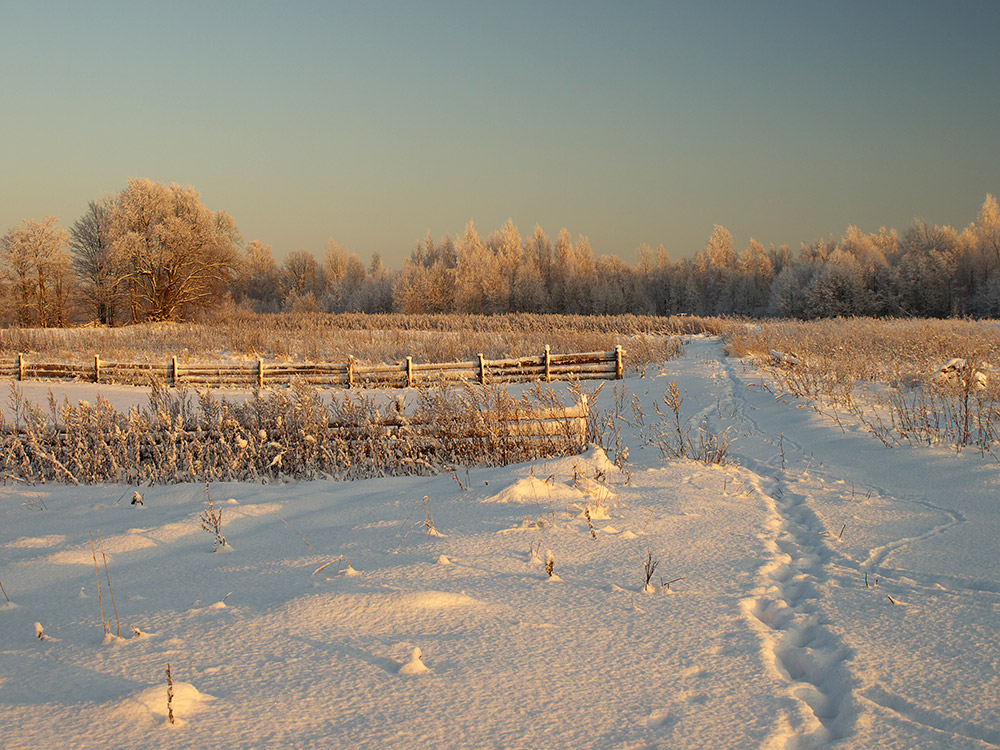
{"x":375,"y":633}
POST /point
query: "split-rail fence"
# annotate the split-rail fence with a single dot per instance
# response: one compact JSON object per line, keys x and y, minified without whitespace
{"x":352,"y":374}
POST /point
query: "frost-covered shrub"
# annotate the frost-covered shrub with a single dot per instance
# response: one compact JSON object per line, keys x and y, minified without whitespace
{"x":289,"y":433}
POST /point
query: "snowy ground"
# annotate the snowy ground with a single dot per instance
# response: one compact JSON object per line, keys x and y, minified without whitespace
{"x":770,"y":639}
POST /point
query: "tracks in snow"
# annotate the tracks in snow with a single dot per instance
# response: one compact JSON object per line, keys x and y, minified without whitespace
{"x":796,"y":607}
{"x":785,"y":607}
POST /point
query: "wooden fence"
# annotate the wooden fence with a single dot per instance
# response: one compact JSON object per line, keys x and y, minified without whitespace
{"x":546,"y":367}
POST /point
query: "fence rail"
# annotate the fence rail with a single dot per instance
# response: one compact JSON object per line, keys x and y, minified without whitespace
{"x":352,"y":374}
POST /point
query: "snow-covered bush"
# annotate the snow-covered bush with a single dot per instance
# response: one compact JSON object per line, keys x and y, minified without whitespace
{"x":287,"y":433}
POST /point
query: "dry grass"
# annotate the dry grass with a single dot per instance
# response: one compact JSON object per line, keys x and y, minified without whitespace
{"x":274,"y":435}
{"x":885,"y":374}
{"x":369,"y":338}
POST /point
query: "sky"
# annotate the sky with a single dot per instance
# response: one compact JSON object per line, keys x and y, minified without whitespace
{"x":374,"y":123}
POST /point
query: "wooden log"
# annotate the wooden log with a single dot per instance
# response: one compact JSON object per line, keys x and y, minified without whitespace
{"x":583,"y":358}
{"x":443,"y":366}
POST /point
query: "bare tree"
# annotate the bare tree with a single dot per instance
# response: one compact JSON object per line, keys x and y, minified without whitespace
{"x":94,"y":261}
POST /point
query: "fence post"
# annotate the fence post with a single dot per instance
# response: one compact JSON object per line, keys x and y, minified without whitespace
{"x":619,"y":365}
{"x":97,"y":368}
{"x":260,"y":372}
{"x":350,"y":371}
{"x":174,"y":375}
{"x":20,"y":366}
{"x":409,"y":372}
{"x":482,"y":370}
{"x":548,"y":364}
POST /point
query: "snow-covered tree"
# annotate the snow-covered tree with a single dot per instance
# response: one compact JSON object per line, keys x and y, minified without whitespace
{"x":479,"y":284}
{"x":176,"y":256}
{"x":752,"y":285}
{"x":258,"y":285}
{"x":36,"y":260}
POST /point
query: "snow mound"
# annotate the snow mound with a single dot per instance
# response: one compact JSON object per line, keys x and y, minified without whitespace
{"x":594,"y":459}
{"x":151,"y":702}
{"x":959,"y":373}
{"x":414,"y":665}
{"x":529,"y":489}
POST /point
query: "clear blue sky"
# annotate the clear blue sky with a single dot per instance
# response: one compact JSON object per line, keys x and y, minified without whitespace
{"x":374,"y":122}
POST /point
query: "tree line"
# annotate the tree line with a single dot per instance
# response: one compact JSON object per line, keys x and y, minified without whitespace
{"x":153,"y":252}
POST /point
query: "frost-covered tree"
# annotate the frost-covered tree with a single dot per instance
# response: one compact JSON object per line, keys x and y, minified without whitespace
{"x":838,"y":288}
{"x":346,"y":279}
{"x":752,"y":285}
{"x":36,"y":261}
{"x":714,"y":272}
{"x":540,"y":250}
{"x":426,"y":283}
{"x":927,"y":270}
{"x":509,"y":256}
{"x":303,"y":281}
{"x":788,"y":290}
{"x":258,"y":285}
{"x":177,"y":256}
{"x":563,"y":274}
{"x":479,"y":284}
{"x":987,"y":229}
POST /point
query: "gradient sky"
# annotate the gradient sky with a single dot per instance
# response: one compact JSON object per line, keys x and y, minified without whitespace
{"x":374,"y":122}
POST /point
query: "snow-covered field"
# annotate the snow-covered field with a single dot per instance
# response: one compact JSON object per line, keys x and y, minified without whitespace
{"x":768,"y":637}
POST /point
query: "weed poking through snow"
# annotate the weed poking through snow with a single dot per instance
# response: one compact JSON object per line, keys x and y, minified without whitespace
{"x":429,"y":519}
{"x":170,"y":696}
{"x":110,"y":592}
{"x":211,"y":521}
{"x":649,"y":569}
{"x":673,"y":436}
{"x":97,"y":576}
